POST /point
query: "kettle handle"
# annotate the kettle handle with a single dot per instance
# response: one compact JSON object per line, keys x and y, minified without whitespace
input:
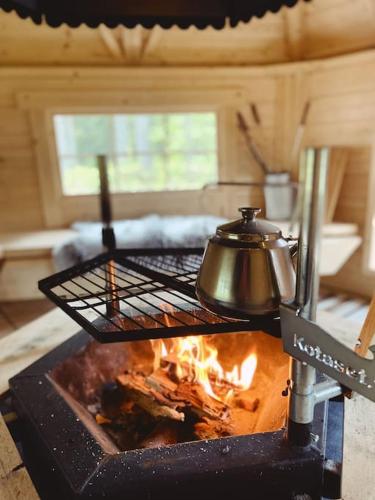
{"x":293,"y":246}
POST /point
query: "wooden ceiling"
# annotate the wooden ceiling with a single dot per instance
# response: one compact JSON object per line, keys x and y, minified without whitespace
{"x":312,"y":30}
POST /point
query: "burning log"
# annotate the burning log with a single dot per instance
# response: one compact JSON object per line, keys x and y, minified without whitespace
{"x":161,"y":397}
{"x":213,"y":429}
{"x":194,"y":396}
{"x":148,"y":398}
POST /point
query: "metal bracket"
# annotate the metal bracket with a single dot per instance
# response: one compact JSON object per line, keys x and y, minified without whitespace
{"x":309,"y":343}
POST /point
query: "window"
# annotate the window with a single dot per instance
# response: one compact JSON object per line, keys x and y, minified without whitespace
{"x":146,"y":152}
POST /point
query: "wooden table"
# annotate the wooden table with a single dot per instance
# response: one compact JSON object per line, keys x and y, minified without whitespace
{"x":29,"y":343}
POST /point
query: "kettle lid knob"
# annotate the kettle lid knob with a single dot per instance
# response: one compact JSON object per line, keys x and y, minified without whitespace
{"x":249,"y":213}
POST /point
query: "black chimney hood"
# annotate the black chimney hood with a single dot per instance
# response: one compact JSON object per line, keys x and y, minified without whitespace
{"x":147,"y":13}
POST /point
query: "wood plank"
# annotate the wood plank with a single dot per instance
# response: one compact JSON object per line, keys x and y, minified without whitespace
{"x":110,"y":42}
{"x":31,"y":342}
{"x":20,"y":313}
{"x":153,"y":37}
{"x":132,"y":43}
{"x":294,"y":22}
{"x":34,"y":243}
{"x":359,"y":443}
{"x":337,"y":165}
{"x":15,"y":482}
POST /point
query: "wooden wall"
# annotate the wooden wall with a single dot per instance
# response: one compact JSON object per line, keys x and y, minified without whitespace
{"x":31,"y":196}
{"x":353,"y":206}
{"x":342,"y":112}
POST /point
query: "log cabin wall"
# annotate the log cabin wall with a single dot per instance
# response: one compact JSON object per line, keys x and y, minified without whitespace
{"x":353,"y":206}
{"x":343,"y":114}
{"x":28,"y":199}
{"x":340,"y":90}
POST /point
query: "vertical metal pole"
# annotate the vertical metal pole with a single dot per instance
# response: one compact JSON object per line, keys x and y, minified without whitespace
{"x":108,"y":236}
{"x":301,"y":404}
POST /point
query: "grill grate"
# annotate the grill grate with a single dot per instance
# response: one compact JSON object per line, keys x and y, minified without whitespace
{"x":141,"y":294}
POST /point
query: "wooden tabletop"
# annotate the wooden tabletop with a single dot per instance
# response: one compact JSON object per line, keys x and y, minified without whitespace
{"x":28,"y":243}
{"x":32,"y":341}
{"x":15,"y":482}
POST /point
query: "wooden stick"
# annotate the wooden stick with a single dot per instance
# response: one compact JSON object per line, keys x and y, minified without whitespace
{"x":255,"y":113}
{"x":368,"y":331}
{"x":300,"y":132}
{"x":252,"y":147}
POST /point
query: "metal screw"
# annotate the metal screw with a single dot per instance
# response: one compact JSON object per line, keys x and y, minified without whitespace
{"x":314,"y":438}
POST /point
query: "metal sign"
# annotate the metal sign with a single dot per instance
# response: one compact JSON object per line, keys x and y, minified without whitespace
{"x":308,"y":342}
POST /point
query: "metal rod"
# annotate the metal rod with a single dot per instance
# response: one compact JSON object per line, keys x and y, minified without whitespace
{"x":315,"y":180}
{"x":303,"y":376}
{"x":105,"y":201}
{"x":108,"y":235}
{"x":326,"y":390}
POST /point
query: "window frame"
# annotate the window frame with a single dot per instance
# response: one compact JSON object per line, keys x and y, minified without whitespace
{"x":60,"y":211}
{"x":124,"y":110}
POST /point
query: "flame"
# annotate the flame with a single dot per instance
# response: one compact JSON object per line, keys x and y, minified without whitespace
{"x":196,"y":360}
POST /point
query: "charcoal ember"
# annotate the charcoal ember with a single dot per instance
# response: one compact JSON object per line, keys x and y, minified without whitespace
{"x":128,"y":430}
{"x":212,"y":429}
{"x":165,"y":433}
{"x":111,"y":399}
{"x":247,"y":404}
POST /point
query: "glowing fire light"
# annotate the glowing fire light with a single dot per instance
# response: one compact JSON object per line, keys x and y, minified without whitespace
{"x":197,"y":361}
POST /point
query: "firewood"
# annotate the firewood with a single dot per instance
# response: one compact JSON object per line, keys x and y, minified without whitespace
{"x":147,"y":398}
{"x":160,"y":381}
{"x":212,"y":429}
{"x":189,"y":394}
{"x":162,"y":397}
{"x":200,"y":403}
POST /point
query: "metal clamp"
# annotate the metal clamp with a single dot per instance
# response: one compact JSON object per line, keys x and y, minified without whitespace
{"x":312,"y":345}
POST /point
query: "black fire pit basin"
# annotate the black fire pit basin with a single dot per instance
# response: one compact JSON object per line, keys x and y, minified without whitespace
{"x":66,"y":460}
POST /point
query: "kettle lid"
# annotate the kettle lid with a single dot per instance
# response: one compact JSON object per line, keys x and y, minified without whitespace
{"x":249,"y":228}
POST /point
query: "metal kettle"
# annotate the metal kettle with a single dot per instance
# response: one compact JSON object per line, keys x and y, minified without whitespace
{"x":247,"y":268}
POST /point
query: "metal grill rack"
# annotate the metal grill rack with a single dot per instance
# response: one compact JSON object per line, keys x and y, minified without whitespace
{"x":129,"y":295}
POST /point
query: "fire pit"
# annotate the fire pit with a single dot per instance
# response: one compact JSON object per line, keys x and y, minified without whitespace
{"x":182,"y":416}
{"x":156,"y":393}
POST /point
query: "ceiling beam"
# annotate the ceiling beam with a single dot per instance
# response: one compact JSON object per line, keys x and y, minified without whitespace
{"x":294,"y":18}
{"x":132,"y":43}
{"x":152,"y":40}
{"x":110,"y":41}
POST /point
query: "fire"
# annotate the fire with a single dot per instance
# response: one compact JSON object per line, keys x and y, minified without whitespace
{"x":196,"y":360}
